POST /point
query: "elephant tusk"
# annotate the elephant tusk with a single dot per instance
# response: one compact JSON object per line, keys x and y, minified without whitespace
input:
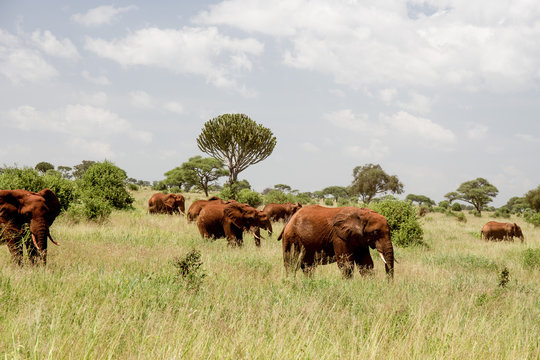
{"x":54,"y":242}
{"x":255,"y":235}
{"x":35,"y":242}
{"x":382,"y":257}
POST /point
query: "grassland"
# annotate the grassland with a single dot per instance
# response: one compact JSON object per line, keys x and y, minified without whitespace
{"x":111,"y":291}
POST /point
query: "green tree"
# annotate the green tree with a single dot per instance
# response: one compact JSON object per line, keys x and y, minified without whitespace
{"x":202,"y":172}
{"x":336,"y":191}
{"x":283,"y":187}
{"x":532,"y":198}
{"x":370,"y":180}
{"x":65,"y":171}
{"x":237,"y":141}
{"x":517,"y":204}
{"x":79,"y":170}
{"x":175,"y":177}
{"x":106,"y":182}
{"x":420,"y":199}
{"x":44,"y":166}
{"x":478,"y":192}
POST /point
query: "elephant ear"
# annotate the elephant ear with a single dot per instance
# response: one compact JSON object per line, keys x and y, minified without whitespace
{"x":52,"y":203}
{"x":9,"y":205}
{"x":348,"y":224}
{"x":235,"y":213}
{"x":170,"y":201}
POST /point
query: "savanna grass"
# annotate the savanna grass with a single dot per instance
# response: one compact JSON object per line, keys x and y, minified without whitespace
{"x":111,"y":291}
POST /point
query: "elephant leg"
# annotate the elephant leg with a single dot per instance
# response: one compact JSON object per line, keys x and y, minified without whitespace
{"x":292,"y":256}
{"x":344,"y":258}
{"x":32,"y":251}
{"x":15,"y":246}
{"x":364,"y":262}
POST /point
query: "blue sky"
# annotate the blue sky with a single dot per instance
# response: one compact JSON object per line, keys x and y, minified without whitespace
{"x":436,"y":92}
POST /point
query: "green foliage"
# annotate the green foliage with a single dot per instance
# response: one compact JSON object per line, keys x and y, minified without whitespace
{"x":132,"y":187}
{"x":532,"y":217}
{"x":278,"y":197}
{"x":532,"y":198}
{"x":189,"y":269}
{"x":461,"y":217}
{"x":329,"y":202}
{"x":477,"y":192}
{"x":283,"y":188}
{"x":420,"y":200}
{"x":197,"y":172}
{"x":90,"y":209}
{"x":65,"y":171}
{"x":250,"y":197}
{"x":44,"y":166}
{"x":502,"y":212}
{"x":445,"y":204}
{"x":370,"y":180}
{"x":64,"y":189}
{"x":79,"y":170}
{"x":337,"y":192}
{"x":236,"y":140}
{"x":456,"y":207}
{"x":504,"y":277}
{"x":343,"y":202}
{"x":231,"y":191}
{"x":403,"y":221}
{"x":517,"y":204}
{"x":106,"y":182}
{"x":530,"y":258}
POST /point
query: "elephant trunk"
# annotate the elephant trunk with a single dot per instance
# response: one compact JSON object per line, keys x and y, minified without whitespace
{"x":386,"y":251}
{"x":40,"y":234}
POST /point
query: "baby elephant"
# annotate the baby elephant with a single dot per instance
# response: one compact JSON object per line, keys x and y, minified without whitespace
{"x":501,"y":231}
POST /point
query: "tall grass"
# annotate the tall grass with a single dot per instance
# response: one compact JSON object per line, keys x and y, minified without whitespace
{"x":111,"y":290}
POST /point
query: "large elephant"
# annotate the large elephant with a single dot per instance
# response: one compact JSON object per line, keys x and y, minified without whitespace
{"x":319,"y":235}
{"x":494,"y":230}
{"x":231,"y":220}
{"x":284,"y":212}
{"x":196,"y":207}
{"x":19,"y":207}
{"x":161,"y":203}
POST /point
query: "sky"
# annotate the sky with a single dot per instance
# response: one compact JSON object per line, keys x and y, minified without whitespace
{"x":436,"y":92}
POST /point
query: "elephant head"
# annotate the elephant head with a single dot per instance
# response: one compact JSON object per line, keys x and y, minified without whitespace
{"x":175,"y":201}
{"x":364,"y":227}
{"x":246,"y":217}
{"x":516,"y":231}
{"x":39,"y":210}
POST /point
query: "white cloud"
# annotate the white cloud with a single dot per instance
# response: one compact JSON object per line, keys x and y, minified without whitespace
{"x":84,"y":120}
{"x":19,"y":63}
{"x":374,"y":150}
{"x":408,"y":124}
{"x":49,"y":44}
{"x":360,"y":123}
{"x":96,"y":80}
{"x":361,"y":44}
{"x":528,"y":138}
{"x":174,"y":107}
{"x":200,"y":51}
{"x":96,"y":149}
{"x":142,"y":100}
{"x":101,"y":15}
{"x":309,"y":147}
{"x":416,"y":103}
{"x":477,"y":131}
{"x":387,"y":95}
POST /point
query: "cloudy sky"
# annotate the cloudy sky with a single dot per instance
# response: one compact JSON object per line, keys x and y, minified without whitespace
{"x":436,"y":92}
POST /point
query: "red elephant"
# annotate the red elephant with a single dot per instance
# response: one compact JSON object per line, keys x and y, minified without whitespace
{"x":284,"y":211}
{"x":161,"y":203}
{"x":196,"y":207}
{"x":494,"y":230}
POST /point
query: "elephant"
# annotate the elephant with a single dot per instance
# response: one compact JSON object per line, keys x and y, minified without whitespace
{"x":39,"y":210}
{"x":494,"y":230}
{"x":284,"y":212}
{"x":196,"y":207}
{"x":231,"y":220}
{"x":161,"y":203}
{"x":320,"y":235}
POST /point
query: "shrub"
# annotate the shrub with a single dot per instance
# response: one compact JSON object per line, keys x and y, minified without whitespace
{"x":530,"y":258}
{"x":445,"y":204}
{"x":343,"y":202}
{"x":275,"y":196}
{"x":456,"y":207}
{"x":423,"y":210}
{"x":107,"y":182}
{"x":403,"y":221}
{"x":90,"y":209}
{"x":189,"y":269}
{"x":133,"y":187}
{"x":461,"y":217}
{"x":329,"y":202}
{"x":532,"y":217}
{"x":502,"y":212}
{"x":475,"y":213}
{"x":64,"y":189}
{"x":253,"y":198}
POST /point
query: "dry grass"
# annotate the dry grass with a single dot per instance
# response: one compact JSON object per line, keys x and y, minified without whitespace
{"x":111,"y":291}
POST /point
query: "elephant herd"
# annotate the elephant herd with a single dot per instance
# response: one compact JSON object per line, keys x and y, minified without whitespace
{"x":312,"y":234}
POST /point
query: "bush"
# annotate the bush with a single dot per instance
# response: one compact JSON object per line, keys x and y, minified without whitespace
{"x":475,"y":213}
{"x":189,"y":269}
{"x":253,"y":198}
{"x":64,"y":189}
{"x":278,"y":197}
{"x":90,"y":209}
{"x":445,"y":204}
{"x":530,"y":258}
{"x":133,"y":187}
{"x":403,"y":221}
{"x":502,"y":212}
{"x":532,"y":217}
{"x":456,"y":207}
{"x":461,"y":217}
{"x":343,"y":202}
{"x":329,"y":202}
{"x":106,"y":182}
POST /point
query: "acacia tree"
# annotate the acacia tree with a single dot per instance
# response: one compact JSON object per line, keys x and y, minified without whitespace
{"x":420,"y":199}
{"x":202,"y":172}
{"x":336,"y":191}
{"x":532,"y":198}
{"x":477,"y":192}
{"x":237,"y":141}
{"x":370,"y":180}
{"x":44,"y":166}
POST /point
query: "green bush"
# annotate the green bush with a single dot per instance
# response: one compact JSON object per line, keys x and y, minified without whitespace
{"x":329,"y":202}
{"x":532,"y":217}
{"x":456,"y":207}
{"x":106,"y":182}
{"x":343,"y":202}
{"x":133,"y":187}
{"x":445,"y":204}
{"x":90,"y":209}
{"x":65,"y":189}
{"x":461,"y":217}
{"x":530,"y":258}
{"x":275,"y":196}
{"x":502,"y":212}
{"x":403,"y":221}
{"x":253,"y":198}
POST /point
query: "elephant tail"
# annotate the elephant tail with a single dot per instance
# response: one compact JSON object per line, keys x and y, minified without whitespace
{"x":281,"y":234}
